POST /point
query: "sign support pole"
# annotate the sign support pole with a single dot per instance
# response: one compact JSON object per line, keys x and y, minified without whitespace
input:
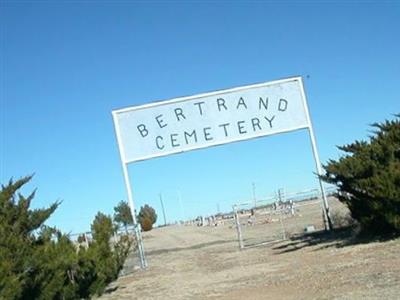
{"x":325,"y":210}
{"x":163,"y":210}
{"x":136,"y":226}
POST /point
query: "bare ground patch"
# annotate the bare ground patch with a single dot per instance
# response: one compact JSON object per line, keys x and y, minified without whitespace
{"x":205,"y":263}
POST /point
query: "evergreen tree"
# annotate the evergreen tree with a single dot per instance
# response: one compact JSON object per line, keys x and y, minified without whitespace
{"x":368,"y":178}
{"x":106,"y":268}
{"x":108,"y":255}
{"x":147,"y":217}
{"x":39,"y":262}
{"x":18,"y":243}
{"x":123,"y":215}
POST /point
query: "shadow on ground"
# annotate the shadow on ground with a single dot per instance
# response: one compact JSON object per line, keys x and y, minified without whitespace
{"x":271,"y":242}
{"x":110,"y":289}
{"x":193,"y":247}
{"x":337,"y":238}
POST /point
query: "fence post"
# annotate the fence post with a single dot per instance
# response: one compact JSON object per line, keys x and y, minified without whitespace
{"x":283,"y":227}
{"x":238,"y":229}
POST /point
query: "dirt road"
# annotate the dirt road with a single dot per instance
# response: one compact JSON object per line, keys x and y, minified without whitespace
{"x":205,"y":263}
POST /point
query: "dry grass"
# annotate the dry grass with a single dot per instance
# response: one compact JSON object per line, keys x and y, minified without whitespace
{"x":205,"y":263}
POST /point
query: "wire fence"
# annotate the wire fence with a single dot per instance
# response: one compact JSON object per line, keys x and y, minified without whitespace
{"x":257,"y":222}
{"x":280,"y":216}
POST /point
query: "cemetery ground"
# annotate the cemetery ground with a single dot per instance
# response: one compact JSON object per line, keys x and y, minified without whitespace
{"x":189,"y":262}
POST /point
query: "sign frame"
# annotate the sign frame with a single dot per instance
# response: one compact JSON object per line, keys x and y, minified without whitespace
{"x":203,"y":95}
{"x":125,"y":162}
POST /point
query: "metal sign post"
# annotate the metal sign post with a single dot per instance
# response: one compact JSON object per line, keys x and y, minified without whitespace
{"x":163,"y":210}
{"x":326,"y":211}
{"x":136,"y":226}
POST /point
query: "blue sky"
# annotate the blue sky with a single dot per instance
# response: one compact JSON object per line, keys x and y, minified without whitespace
{"x":65,"y":66}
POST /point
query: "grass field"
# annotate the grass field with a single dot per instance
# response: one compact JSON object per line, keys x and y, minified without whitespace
{"x":187,"y":262}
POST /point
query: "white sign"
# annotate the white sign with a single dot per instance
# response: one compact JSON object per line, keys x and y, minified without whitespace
{"x":210,"y":119}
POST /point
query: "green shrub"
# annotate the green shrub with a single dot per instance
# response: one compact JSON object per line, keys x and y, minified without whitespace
{"x":147,"y":217}
{"x":123,"y":215}
{"x":147,"y":224}
{"x":368,"y":178}
{"x":39,"y":262}
{"x":342,"y":219}
{"x":19,"y":246}
{"x":109,"y":258}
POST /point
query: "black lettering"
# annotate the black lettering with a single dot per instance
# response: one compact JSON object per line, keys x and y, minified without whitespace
{"x":261,"y":102}
{"x":179,"y":112}
{"x":270,"y":120}
{"x":158,"y":138}
{"x":241,"y":102}
{"x":207,"y":134}
{"x":199,"y":105}
{"x":282,"y":105}
{"x":241,"y":128}
{"x":221,"y":103}
{"x":225,"y":130}
{"x":256,"y":122}
{"x":174,"y":141}
{"x":186,"y":134}
{"x":160,"y":121}
{"x":142,"y":130}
